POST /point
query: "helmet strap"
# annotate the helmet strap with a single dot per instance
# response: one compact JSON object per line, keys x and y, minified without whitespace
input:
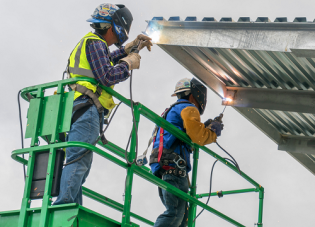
{"x":183,"y":95}
{"x":101,"y":26}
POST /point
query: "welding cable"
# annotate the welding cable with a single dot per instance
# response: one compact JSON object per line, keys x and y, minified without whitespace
{"x":98,"y":138}
{"x":209,"y":190}
{"x":64,"y":72}
{"x":134,"y":126}
{"x":224,"y":109}
{"x":235,"y":162}
{"x":135,"y":49}
{"x":21,"y":129}
{"x":63,"y":75}
{"x":211,"y":174}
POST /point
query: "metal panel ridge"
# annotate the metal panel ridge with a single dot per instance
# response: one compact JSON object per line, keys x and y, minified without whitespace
{"x":268,"y":36}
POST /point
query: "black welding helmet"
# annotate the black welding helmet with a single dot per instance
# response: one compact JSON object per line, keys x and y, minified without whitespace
{"x":199,"y":92}
{"x":118,"y":16}
{"x":121,"y":22}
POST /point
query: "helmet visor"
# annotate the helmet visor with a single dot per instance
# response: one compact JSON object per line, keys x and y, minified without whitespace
{"x":121,"y":22}
{"x":199,"y":92}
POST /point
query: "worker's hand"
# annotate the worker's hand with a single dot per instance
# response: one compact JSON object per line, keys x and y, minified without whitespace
{"x":207,"y":122}
{"x":216,"y":126}
{"x":133,"y":61}
{"x":146,"y":42}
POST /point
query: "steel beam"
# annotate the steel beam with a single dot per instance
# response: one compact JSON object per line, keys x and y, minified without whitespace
{"x":302,"y":149}
{"x":250,"y":36}
{"x":300,"y":145}
{"x":273,"y":99}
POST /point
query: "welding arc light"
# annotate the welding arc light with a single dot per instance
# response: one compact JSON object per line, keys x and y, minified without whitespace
{"x":155,"y":36}
{"x":227,"y":99}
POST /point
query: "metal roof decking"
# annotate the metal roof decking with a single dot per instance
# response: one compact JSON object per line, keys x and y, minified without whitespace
{"x":268,"y":68}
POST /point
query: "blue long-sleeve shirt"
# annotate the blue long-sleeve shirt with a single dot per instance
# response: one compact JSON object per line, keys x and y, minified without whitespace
{"x":173,"y":117}
{"x":99,"y":57}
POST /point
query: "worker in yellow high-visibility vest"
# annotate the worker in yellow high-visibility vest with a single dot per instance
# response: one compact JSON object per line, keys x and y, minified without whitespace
{"x":91,"y":57}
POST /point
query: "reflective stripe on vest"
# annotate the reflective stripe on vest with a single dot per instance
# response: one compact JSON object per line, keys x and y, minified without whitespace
{"x":80,"y":67}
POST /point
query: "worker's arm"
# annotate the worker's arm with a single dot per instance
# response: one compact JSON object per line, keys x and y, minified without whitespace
{"x":195,"y":129}
{"x":118,"y":54}
{"x":98,"y":56}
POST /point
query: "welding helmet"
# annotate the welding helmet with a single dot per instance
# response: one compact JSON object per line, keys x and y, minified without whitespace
{"x":118,"y":16}
{"x":188,"y":86}
{"x":199,"y":91}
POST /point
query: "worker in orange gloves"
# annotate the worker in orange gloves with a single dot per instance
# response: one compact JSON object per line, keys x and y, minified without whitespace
{"x":170,"y":157}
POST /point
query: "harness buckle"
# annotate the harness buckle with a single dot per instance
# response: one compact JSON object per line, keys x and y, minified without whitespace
{"x":177,"y":172}
{"x":180,"y":162}
{"x":182,"y":173}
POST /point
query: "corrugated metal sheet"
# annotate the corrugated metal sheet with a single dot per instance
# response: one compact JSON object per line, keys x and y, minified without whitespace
{"x":258,"y":69}
{"x":262,"y":61}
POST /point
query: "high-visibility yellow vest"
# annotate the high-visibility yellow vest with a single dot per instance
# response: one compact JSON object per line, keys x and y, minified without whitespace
{"x":80,"y":67}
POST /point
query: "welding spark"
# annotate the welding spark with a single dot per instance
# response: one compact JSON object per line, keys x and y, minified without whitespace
{"x":155,"y":36}
{"x":227,"y":99}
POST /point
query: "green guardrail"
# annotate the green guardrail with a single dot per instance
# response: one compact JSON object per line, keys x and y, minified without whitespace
{"x":57,"y":108}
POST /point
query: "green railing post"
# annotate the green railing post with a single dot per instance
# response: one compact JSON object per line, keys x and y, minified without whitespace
{"x":39,"y":103}
{"x":193,"y":189}
{"x":26,"y":202}
{"x":55,"y":134}
{"x":261,"y":202}
{"x":44,"y":216}
{"x":130,"y":171}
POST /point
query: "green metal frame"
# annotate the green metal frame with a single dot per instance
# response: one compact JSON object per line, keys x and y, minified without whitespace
{"x":144,"y":172}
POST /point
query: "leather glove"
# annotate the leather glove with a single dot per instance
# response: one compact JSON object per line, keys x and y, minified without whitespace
{"x":219,"y":119}
{"x":146,"y":42}
{"x":133,"y":61}
{"x":207,"y":122}
{"x":216,"y":126}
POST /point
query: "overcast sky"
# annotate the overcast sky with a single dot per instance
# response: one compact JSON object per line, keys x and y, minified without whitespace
{"x":37,"y":38}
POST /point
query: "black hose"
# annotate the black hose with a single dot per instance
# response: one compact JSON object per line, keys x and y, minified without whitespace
{"x":21,"y":129}
{"x":98,"y":138}
{"x":209,"y":190}
{"x":134,"y":126}
{"x":235,"y":163}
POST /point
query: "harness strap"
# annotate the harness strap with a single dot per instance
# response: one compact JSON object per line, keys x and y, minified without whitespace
{"x":161,"y":144}
{"x":168,"y":156}
{"x":80,"y":109}
{"x":85,"y":106}
{"x":164,"y":114}
{"x":93,"y":96}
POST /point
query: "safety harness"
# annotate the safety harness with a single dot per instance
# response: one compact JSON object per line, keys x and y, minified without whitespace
{"x":78,"y":66}
{"x":165,"y":156}
{"x":80,"y":109}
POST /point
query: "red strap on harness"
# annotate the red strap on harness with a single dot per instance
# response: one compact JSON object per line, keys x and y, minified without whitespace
{"x":161,"y":144}
{"x":167,"y":167}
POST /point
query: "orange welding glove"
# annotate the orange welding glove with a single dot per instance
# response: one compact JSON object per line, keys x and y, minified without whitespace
{"x":195,"y":129}
{"x":133,"y":61}
{"x":146,"y":42}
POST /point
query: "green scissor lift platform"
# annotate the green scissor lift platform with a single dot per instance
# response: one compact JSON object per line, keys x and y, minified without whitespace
{"x":48,"y":116}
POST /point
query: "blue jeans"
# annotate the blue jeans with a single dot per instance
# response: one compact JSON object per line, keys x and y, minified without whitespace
{"x":85,"y":129}
{"x":175,"y":207}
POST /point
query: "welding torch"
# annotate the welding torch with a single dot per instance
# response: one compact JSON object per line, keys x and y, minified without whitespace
{"x":136,"y":48}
